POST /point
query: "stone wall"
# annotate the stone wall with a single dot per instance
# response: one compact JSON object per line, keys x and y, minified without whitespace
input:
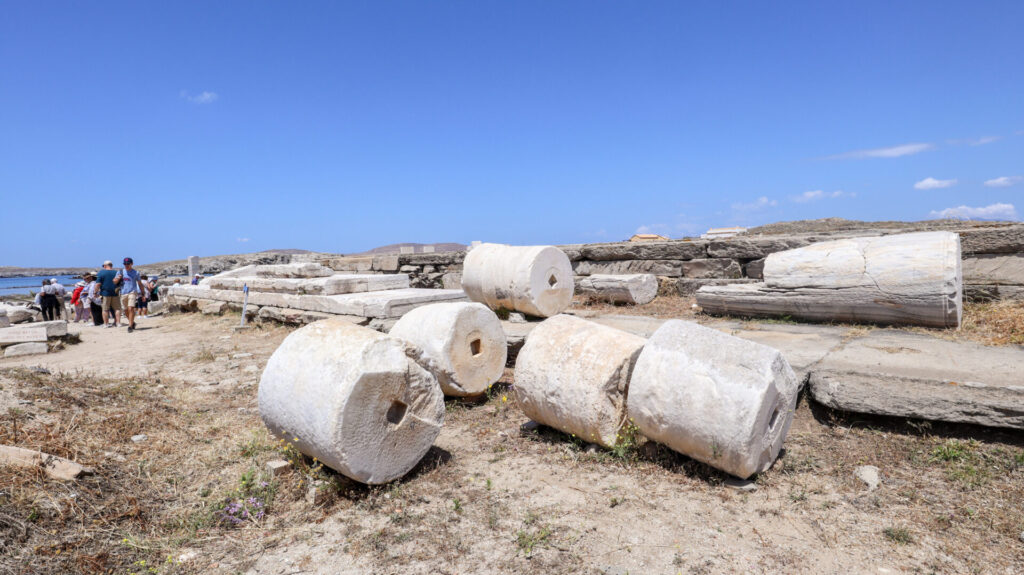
{"x":993,"y":260}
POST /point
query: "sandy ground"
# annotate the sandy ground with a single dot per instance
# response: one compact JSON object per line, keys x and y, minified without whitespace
{"x":488,"y":498}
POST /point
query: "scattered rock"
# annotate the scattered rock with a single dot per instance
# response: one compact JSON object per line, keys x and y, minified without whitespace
{"x":741,"y":485}
{"x":516,"y":317}
{"x":139,"y":438}
{"x":214,"y":308}
{"x":529,"y":426}
{"x":41,"y":370}
{"x":55,"y":467}
{"x":869,"y":475}
{"x":32,"y":348}
{"x":241,"y":355}
{"x":278,"y":468}
{"x":316,"y":494}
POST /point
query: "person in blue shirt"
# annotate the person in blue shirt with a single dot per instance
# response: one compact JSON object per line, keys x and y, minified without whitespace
{"x":131,"y":291}
{"x":108,"y":279}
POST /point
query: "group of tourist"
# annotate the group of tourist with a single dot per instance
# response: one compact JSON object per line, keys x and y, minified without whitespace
{"x":103,"y":296}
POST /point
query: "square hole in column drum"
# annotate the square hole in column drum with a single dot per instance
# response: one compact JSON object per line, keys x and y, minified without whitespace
{"x":774,"y":418}
{"x":475,"y":347}
{"x":396,"y":413}
{"x":552,"y":280}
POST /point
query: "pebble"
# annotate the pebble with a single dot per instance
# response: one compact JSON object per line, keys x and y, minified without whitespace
{"x":241,"y":355}
{"x":741,"y":485}
{"x":529,"y":426}
{"x":515,"y":317}
{"x":869,"y":475}
{"x":1022,"y":536}
{"x":139,"y":438}
{"x":592,"y":448}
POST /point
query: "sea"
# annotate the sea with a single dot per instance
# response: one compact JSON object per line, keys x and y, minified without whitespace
{"x":12,"y":286}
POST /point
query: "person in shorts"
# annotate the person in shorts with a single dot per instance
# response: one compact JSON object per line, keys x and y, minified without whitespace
{"x":131,"y":291}
{"x":111,"y":306}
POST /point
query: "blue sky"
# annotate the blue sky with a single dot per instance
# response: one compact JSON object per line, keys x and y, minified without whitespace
{"x":162,"y":130}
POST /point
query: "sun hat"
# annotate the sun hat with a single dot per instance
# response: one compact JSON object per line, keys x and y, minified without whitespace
{"x":108,"y":263}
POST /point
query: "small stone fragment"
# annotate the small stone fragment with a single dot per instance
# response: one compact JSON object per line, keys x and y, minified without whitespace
{"x":139,"y":438}
{"x":869,"y":475}
{"x":278,"y":468}
{"x":516,"y":317}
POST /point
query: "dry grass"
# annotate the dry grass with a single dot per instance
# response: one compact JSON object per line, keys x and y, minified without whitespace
{"x":995,"y":323}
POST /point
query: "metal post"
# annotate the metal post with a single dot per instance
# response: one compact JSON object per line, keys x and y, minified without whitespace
{"x":245,"y":302}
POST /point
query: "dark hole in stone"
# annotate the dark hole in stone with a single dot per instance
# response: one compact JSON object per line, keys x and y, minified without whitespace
{"x":396,"y":413}
{"x":552,"y":280}
{"x":474,"y":346}
{"x":774,"y":418}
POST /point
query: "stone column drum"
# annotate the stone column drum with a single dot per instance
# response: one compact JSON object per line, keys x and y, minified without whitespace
{"x":717,"y":398}
{"x":573,"y":375}
{"x":535,"y":280}
{"x":463,"y":342}
{"x":352,"y":397}
{"x":913,"y":279}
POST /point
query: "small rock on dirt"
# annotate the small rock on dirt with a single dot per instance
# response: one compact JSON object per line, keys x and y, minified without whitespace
{"x":139,"y":438}
{"x":278,"y":468}
{"x":515,"y":317}
{"x":869,"y":475}
{"x":529,"y":426}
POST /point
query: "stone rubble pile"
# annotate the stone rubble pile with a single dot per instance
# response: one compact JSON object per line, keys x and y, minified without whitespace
{"x":28,"y":338}
{"x":303,"y":292}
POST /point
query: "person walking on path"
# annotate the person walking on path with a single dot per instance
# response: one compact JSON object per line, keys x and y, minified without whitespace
{"x":76,"y":301}
{"x":111,"y":306}
{"x":131,"y":291}
{"x":92,"y":299}
{"x":47,"y":301}
{"x":59,"y":311}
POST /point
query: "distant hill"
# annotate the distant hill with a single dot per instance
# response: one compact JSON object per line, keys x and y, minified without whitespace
{"x":291,"y":251}
{"x":397,"y":248}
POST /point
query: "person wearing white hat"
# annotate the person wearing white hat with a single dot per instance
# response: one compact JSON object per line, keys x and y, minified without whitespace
{"x":81,"y":311}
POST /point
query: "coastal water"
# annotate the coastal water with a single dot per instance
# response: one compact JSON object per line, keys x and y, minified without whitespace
{"x":10,"y":286}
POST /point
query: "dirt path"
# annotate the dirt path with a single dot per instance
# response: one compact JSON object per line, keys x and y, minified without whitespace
{"x":488,"y":498}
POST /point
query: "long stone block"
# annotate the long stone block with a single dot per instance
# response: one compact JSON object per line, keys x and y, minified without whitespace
{"x":689,"y":286}
{"x":673,"y":250}
{"x":30,"y":348}
{"x":378,"y":304}
{"x":994,"y":269}
{"x":751,"y":248}
{"x":670,"y":268}
{"x":1001,"y":240}
{"x":895,"y":373}
{"x":333,"y":285}
{"x":709,"y":268}
{"x":18,"y":314}
{"x":350,"y":264}
{"x":22,"y":334}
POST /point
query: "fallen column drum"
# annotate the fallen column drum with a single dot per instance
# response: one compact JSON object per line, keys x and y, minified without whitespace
{"x":463,"y":343}
{"x":352,"y":397}
{"x":535,"y":280}
{"x":573,"y":375}
{"x":911,"y":279}
{"x":717,"y":398}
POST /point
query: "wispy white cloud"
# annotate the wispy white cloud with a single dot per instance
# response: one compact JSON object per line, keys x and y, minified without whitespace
{"x":815,"y":195}
{"x":760,"y":203}
{"x":241,"y":240}
{"x":201,"y":98}
{"x":989,"y":212}
{"x":983,"y":141}
{"x":1003,"y":182}
{"x":890,"y":152}
{"x":933,"y":184}
{"x":652,"y":229}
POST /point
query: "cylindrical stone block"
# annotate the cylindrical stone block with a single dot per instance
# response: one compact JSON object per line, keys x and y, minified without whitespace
{"x":636,"y":289}
{"x":353,"y":398}
{"x":573,"y":375}
{"x":535,"y":280}
{"x":463,"y":343}
{"x":717,"y":398}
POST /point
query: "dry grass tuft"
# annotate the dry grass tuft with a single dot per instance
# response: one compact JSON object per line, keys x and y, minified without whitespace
{"x":995,"y":323}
